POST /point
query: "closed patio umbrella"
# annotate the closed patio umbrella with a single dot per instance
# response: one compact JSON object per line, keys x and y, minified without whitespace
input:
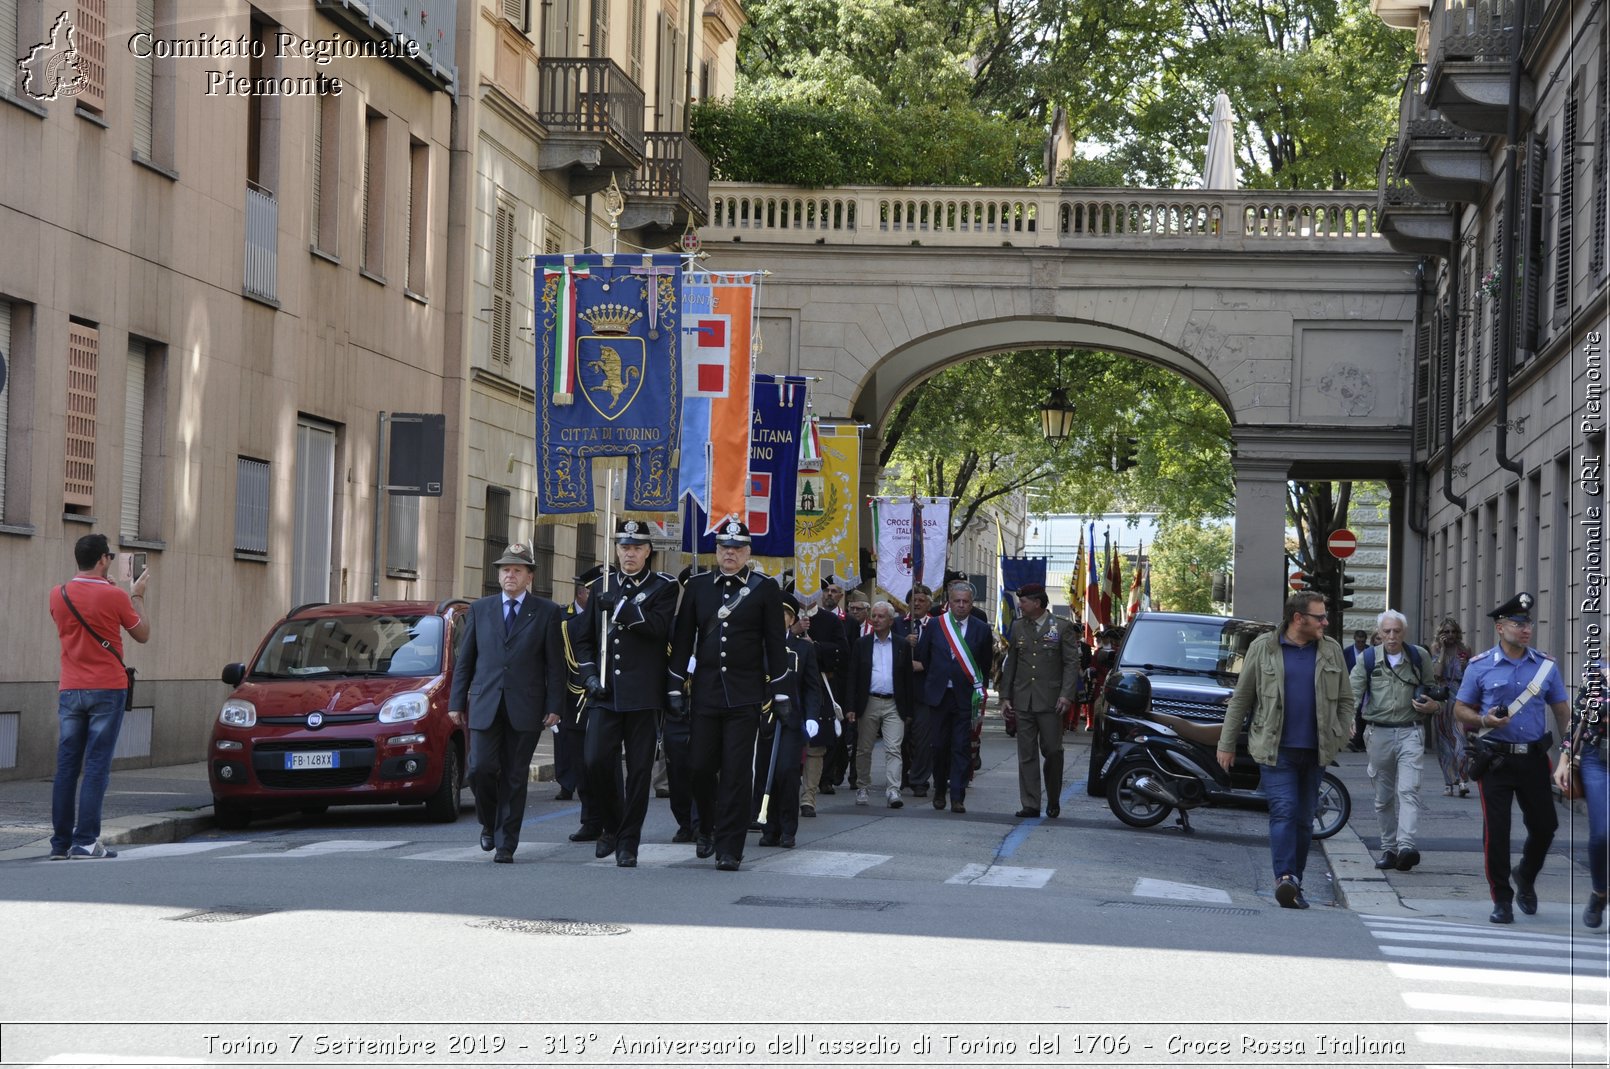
{"x":1218,"y":169}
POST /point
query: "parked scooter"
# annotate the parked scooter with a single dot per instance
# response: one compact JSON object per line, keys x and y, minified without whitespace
{"x":1160,"y":763}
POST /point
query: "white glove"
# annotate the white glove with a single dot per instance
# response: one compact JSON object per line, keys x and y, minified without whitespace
{"x":811,"y":728}
{"x":838,"y":728}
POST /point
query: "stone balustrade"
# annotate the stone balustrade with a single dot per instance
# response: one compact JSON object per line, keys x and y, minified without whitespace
{"x":1040,"y":217}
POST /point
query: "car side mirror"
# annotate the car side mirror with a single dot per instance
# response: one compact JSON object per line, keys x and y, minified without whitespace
{"x":233,"y":674}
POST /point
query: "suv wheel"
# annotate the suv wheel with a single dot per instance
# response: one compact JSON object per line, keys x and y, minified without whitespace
{"x":442,"y":807}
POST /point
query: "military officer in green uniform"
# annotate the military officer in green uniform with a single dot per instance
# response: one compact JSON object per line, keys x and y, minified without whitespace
{"x":1038,"y":686}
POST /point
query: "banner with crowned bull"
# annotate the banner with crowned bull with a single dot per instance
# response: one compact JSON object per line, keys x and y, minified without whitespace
{"x":608,"y":378}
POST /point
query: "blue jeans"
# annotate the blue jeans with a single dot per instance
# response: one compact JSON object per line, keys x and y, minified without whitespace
{"x":90,"y":721}
{"x":1594,"y":783}
{"x":1292,"y":787}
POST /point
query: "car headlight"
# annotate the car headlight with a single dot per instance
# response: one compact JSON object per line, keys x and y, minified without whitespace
{"x":238,"y":713}
{"x":404,"y":707}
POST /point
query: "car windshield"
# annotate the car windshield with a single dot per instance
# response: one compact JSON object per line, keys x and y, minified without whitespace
{"x":353,"y":646}
{"x":1203,"y":647}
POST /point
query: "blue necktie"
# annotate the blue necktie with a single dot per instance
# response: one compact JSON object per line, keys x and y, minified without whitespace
{"x":508,"y":620}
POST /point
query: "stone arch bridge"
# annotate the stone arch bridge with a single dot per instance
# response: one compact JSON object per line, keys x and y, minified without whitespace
{"x":1288,"y":308}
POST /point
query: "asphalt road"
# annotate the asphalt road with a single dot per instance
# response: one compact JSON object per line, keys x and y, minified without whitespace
{"x":927,"y":938}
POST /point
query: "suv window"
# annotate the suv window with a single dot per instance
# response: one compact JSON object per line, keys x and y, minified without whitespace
{"x":353,"y":646}
{"x":1211,"y":647}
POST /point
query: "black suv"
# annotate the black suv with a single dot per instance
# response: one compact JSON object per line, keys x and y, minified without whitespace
{"x":1193,"y":661}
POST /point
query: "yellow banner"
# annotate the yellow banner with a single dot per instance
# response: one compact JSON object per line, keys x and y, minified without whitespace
{"x":827,"y":513}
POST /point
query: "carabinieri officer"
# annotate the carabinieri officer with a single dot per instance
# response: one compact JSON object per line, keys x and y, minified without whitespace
{"x":630,"y":612}
{"x":731,"y":624}
{"x":1508,"y":692}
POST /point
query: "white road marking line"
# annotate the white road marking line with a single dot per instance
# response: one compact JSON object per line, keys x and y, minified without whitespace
{"x":1485,"y":939}
{"x":659,"y":855}
{"x":1185,"y":892}
{"x":1512,"y":1007}
{"x":1514,"y":1039}
{"x":836,"y":864}
{"x":1556,"y":960}
{"x":451,"y":853}
{"x":1499,"y":977}
{"x":1002,"y":876}
{"x":330,"y":846}
{"x":1410,"y":925}
{"x":145,"y":853}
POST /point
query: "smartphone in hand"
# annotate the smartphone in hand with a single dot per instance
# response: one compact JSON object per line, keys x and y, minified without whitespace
{"x":136,"y":566}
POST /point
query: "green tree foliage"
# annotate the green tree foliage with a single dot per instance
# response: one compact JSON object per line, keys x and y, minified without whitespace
{"x":1184,"y":559}
{"x":972,"y":433}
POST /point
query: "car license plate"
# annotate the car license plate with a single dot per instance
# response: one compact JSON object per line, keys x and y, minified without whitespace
{"x":313,"y":759}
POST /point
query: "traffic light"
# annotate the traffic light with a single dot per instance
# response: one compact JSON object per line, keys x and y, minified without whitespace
{"x":1344,"y":599}
{"x":1221,"y":592}
{"x":1125,"y":453}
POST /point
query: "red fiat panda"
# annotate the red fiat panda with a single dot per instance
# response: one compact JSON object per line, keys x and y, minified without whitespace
{"x":343,"y":705}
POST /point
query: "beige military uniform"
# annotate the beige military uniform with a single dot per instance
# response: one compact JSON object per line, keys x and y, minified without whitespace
{"x":1042,"y":665}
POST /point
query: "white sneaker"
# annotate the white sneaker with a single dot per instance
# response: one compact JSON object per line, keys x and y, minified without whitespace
{"x":894,"y":799}
{"x":860,"y":797}
{"x":93,"y":852}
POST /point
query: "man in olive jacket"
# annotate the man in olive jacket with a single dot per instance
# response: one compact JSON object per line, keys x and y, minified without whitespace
{"x":1294,"y":684}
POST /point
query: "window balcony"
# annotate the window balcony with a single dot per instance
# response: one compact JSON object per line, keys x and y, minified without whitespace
{"x":669,"y":192}
{"x":431,"y":25}
{"x":1440,"y":160}
{"x":262,"y":244}
{"x":1470,"y":45}
{"x":594,"y":116}
{"x":1410,"y":221}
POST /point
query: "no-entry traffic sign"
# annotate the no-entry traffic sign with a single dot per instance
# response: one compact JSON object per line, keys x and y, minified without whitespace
{"x":1297,"y":581}
{"x":1342,"y":543}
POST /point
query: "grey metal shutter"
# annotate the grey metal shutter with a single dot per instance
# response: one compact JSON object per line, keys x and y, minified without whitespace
{"x":133,"y":439}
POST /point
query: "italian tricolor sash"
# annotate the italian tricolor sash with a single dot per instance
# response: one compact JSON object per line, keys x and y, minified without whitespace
{"x":964,"y":657}
{"x":564,"y":356}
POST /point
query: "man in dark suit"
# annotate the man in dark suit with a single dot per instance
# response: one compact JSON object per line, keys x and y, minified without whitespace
{"x":509,"y":675}
{"x":827,"y":630}
{"x":880,"y":701}
{"x":954,"y":654}
{"x":919,"y":755}
{"x":731,"y":623}
{"x":804,"y":715}
{"x":630,"y":612}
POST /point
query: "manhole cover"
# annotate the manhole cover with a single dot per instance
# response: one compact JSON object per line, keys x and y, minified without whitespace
{"x":1232,"y":911}
{"x":220,"y":914}
{"x":814,"y":903}
{"x":553,"y":927}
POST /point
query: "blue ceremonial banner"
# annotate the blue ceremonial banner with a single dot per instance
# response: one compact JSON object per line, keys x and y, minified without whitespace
{"x":608,"y":378}
{"x":1016,"y":571}
{"x":774,"y":424}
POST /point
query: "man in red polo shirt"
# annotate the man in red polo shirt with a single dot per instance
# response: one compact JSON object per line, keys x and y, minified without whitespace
{"x":93,"y":688}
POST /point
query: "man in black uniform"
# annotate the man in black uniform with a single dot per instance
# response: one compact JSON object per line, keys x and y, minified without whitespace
{"x":731,"y":624}
{"x":627,"y":633}
{"x":827,"y":630}
{"x":805,"y":714}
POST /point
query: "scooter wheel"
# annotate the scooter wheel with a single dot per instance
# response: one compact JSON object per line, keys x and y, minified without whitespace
{"x":1128,"y":804}
{"x":1334,"y":808}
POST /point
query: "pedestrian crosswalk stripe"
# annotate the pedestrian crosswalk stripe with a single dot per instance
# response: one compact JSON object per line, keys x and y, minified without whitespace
{"x":1429,"y":953}
{"x":1507,"y":1007}
{"x":330,"y":846}
{"x":1580,"y":1048}
{"x":1498,"y":977}
{"x":451,"y":853}
{"x":837,"y":864}
{"x":1002,"y":876}
{"x":146,"y":853}
{"x":1413,"y":924}
{"x":1487,"y":938}
{"x":656,"y":855}
{"x":1184,"y":892}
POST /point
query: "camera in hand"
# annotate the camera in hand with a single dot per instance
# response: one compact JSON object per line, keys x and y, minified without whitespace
{"x":1434,"y":692}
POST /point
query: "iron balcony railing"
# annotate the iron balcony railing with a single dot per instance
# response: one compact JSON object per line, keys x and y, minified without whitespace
{"x":590,"y":96}
{"x":673,"y":169}
{"x":1478,"y":30}
{"x":1417,"y":119}
{"x":430,"y":24}
{"x":262,"y":243}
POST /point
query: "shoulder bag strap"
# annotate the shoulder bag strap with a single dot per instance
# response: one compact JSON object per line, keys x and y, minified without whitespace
{"x":105,"y":645}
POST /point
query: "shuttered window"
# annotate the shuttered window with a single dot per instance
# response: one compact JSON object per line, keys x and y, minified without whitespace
{"x":327,"y":175}
{"x":542,"y":554}
{"x":1530,"y":255}
{"x":502,"y":281}
{"x":5,"y":393}
{"x":374,"y":193}
{"x":251,"y":506}
{"x":83,"y":384}
{"x":636,"y":16}
{"x":600,"y":42}
{"x":402,"y":536}
{"x":145,"y":21}
{"x":1601,"y":170}
{"x":89,"y":35}
{"x":1422,"y":388}
{"x":1567,"y":207}
{"x":418,"y":214}
{"x":516,"y":11}
{"x":495,"y":536}
{"x":133,"y":439}
{"x":8,"y":45}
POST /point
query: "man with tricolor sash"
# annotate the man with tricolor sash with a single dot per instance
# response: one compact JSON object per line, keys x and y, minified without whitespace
{"x":954,"y":656}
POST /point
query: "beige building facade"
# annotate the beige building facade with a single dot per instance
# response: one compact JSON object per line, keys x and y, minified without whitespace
{"x":221,"y":270}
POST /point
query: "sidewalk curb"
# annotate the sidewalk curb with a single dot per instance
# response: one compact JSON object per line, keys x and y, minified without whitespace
{"x":141,"y":830}
{"x":1360,"y":887}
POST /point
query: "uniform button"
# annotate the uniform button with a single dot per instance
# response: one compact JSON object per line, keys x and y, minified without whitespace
{"x":723,"y":668}
{"x":617,"y":671}
{"x":723,"y":655}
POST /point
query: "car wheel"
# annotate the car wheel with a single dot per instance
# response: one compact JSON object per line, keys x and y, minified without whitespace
{"x":231,"y":816}
{"x":1334,"y":808}
{"x":1128,"y":804}
{"x":442,"y":807}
